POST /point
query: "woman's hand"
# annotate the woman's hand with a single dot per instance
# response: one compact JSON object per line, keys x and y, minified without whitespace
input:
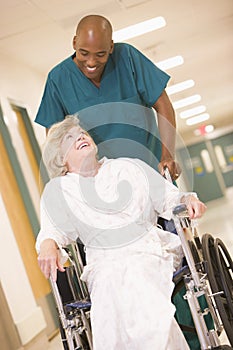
{"x":194,"y":206}
{"x":48,"y":259}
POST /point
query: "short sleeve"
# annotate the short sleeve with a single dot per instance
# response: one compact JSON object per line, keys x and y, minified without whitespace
{"x":51,"y":109}
{"x":150,"y":80}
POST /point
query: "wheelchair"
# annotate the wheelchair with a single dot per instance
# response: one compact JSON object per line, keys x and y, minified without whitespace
{"x":207,"y":278}
{"x":205,"y":281}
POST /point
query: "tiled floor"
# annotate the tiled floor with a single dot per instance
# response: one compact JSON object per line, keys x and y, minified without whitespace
{"x":218,"y":221}
{"x":55,"y":344}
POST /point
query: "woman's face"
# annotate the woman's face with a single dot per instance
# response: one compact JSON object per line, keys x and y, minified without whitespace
{"x":76,"y":147}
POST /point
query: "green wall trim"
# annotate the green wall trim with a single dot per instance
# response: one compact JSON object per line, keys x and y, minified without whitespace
{"x":34,"y":143}
{"x":19,"y":176}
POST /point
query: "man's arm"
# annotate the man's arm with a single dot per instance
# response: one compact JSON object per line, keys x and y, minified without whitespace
{"x":167,"y":130}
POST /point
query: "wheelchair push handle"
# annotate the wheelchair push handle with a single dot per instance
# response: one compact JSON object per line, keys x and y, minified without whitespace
{"x":181,"y":210}
{"x":167,"y":174}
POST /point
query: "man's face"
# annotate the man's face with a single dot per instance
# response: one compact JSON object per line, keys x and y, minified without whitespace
{"x":92,"y":52}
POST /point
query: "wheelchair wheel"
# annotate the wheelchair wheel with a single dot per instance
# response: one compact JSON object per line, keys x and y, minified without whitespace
{"x":194,"y":252}
{"x":216,"y":276}
{"x":225,"y":267}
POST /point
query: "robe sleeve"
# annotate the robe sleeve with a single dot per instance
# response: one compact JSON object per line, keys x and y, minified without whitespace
{"x":163,"y":194}
{"x":55,"y":221}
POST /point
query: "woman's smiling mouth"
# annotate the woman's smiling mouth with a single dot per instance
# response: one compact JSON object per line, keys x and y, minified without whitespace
{"x":82,"y":145}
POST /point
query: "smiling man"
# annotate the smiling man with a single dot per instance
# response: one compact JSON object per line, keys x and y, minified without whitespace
{"x":93,"y":45}
{"x":101,"y":72}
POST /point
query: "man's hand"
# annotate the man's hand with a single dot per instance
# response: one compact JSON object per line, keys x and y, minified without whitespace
{"x":173,"y":167}
{"x":48,"y":259}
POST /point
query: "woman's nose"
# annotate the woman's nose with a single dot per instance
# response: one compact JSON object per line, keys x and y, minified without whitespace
{"x":80,"y":137}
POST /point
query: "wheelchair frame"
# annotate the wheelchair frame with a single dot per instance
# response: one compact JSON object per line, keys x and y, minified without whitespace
{"x":74,"y":315}
{"x":197,"y":283}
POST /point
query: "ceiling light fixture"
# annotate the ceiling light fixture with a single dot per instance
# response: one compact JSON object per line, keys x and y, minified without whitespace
{"x":186,"y":101}
{"x":180,"y":87}
{"x":139,"y":29}
{"x":203,"y":130}
{"x":170,"y":62}
{"x":209,"y":128}
{"x":198,"y":119}
{"x":192,"y":111}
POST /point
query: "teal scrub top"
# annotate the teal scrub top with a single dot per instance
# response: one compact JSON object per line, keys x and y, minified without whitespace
{"x":118,"y":114}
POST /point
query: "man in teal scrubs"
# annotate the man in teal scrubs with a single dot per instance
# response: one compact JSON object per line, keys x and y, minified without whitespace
{"x":112,"y":80}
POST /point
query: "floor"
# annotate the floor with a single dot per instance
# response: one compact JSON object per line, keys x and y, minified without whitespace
{"x":218,"y":221}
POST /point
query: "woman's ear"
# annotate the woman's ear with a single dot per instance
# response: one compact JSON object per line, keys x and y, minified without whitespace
{"x":96,"y":150}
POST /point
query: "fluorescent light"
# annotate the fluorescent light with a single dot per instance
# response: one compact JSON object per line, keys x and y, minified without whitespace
{"x":209,"y":128}
{"x":203,"y":129}
{"x":139,"y":29}
{"x":186,"y":101}
{"x":192,"y":111}
{"x":180,"y":86}
{"x":170,"y":62}
{"x":198,"y":119}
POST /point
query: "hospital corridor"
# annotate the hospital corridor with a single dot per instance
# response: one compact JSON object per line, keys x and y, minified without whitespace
{"x":97,"y":100}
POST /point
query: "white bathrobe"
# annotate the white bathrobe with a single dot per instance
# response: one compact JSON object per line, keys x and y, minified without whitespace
{"x":130,"y":262}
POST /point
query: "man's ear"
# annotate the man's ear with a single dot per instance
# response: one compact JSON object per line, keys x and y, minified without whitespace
{"x":112,"y":46}
{"x":74,"y":42}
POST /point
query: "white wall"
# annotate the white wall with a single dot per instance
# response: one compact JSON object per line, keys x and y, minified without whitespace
{"x":24,"y":86}
{"x":27,"y":315}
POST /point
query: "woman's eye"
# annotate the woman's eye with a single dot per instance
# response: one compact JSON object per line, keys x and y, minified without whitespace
{"x":69,"y":137}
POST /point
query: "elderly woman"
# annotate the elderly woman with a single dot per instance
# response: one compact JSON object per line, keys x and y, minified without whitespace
{"x":112,"y":206}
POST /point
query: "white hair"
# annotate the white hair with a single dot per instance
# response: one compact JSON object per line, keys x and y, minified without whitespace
{"x":52,"y":157}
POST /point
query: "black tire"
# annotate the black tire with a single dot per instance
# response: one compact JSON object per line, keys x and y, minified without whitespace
{"x":209,"y":255}
{"x":194,"y":252}
{"x":225,"y":268}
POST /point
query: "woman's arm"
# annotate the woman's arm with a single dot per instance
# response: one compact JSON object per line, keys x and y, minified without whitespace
{"x":165,"y":196}
{"x":56,"y":231}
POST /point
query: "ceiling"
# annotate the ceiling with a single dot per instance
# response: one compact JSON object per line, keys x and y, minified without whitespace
{"x":39,"y":33}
